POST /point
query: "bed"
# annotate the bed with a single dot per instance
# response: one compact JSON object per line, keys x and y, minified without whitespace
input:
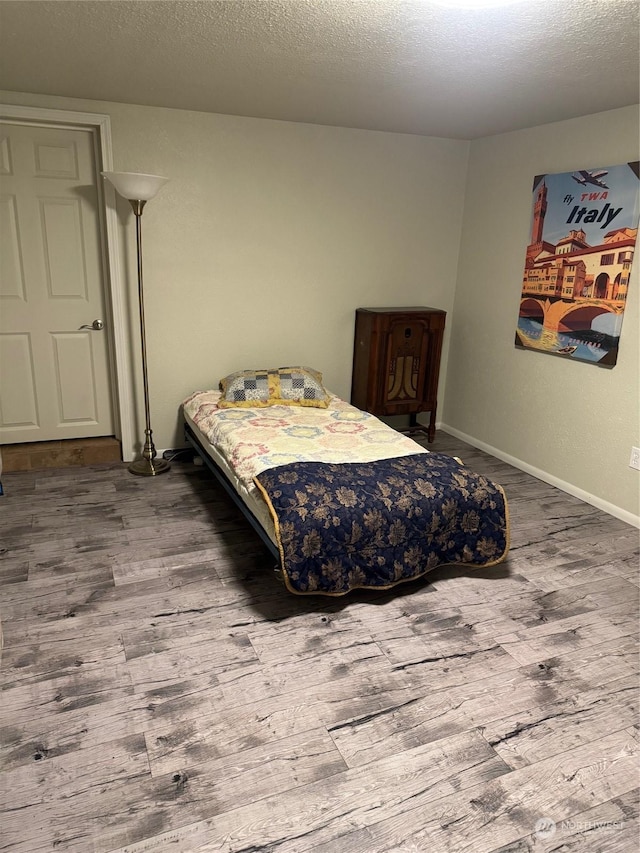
{"x":340,"y":499}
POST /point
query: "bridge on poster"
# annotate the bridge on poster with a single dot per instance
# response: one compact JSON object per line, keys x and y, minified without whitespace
{"x":559,"y":315}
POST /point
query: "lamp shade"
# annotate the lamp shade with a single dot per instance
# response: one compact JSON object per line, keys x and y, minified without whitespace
{"x":135,"y":186}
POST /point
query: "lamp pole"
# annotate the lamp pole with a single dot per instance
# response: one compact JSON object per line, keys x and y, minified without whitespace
{"x":138,"y":189}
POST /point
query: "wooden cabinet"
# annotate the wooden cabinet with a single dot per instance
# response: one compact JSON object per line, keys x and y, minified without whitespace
{"x":396,"y":363}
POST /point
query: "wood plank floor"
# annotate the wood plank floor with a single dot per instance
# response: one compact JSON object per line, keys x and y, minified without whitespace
{"x":163,"y":691}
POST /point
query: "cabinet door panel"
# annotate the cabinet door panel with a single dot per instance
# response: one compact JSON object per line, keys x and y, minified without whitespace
{"x":405,"y":362}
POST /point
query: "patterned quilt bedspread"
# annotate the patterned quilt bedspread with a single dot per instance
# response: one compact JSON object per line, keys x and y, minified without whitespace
{"x":355,"y":504}
{"x":373,"y":525}
{"x":252,"y":440}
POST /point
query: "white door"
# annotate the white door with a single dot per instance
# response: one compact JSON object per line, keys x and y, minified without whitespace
{"x":54,"y":375}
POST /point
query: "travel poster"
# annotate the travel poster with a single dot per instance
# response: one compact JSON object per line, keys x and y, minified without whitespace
{"x":577,"y":269}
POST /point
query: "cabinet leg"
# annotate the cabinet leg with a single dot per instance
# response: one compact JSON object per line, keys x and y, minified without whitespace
{"x":431,"y":432}
{"x":415,"y":427}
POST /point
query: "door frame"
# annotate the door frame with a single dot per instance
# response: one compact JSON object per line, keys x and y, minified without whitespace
{"x":119,"y":361}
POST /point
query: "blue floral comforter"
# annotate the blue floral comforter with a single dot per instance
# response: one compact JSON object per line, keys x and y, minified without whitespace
{"x":372,"y":525}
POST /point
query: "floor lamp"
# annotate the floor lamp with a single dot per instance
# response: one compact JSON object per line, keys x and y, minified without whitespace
{"x":138,"y":189}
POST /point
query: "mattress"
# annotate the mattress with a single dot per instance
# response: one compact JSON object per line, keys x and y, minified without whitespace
{"x":244,"y":442}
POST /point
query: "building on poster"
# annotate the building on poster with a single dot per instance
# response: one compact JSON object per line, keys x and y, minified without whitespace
{"x":577,"y":269}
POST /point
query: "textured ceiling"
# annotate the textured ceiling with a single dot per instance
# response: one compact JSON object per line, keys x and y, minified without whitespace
{"x":414,"y":66}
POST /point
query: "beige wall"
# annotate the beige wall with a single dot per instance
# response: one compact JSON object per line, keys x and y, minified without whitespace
{"x":270,"y":234}
{"x":573,"y":421}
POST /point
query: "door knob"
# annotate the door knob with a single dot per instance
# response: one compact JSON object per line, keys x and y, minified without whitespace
{"x":96,"y":325}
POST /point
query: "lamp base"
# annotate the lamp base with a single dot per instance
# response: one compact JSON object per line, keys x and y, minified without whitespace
{"x":149,"y":467}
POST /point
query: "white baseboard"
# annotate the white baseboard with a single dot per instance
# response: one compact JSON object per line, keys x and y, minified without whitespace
{"x":605,"y":506}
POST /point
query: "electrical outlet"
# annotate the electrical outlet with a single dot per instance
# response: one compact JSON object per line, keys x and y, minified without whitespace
{"x":634,"y":462}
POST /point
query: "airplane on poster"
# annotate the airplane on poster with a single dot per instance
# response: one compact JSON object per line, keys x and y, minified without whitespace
{"x":583,"y":177}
